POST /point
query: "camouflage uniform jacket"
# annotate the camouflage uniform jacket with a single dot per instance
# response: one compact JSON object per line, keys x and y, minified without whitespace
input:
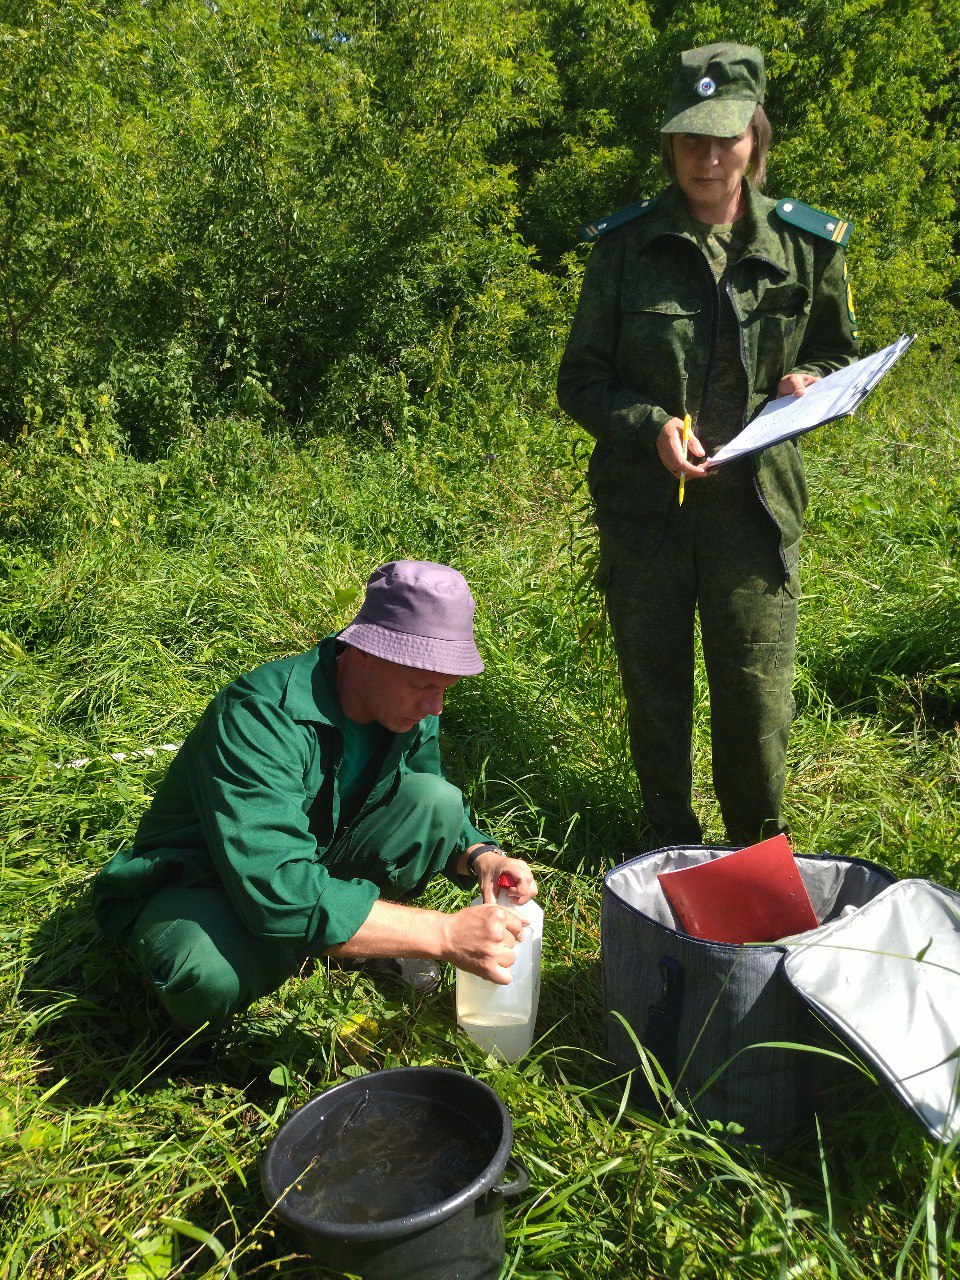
{"x":641,"y":346}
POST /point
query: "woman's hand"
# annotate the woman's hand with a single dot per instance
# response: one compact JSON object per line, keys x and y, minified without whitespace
{"x":795,"y":384}
{"x":670,"y":449}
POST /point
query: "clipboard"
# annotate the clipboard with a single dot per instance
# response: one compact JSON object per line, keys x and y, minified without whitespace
{"x":835,"y":396}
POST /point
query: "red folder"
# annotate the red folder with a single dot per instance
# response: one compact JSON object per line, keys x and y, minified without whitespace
{"x":750,"y":895}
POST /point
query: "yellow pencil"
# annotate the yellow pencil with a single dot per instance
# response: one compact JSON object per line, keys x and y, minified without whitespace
{"x":685,"y":441}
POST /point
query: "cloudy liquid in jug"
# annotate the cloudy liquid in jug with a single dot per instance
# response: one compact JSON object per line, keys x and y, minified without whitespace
{"x":501,"y":1019}
{"x":508,"y":1037}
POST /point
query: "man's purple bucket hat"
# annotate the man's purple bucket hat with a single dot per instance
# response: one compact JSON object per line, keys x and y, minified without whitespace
{"x":418,"y":614}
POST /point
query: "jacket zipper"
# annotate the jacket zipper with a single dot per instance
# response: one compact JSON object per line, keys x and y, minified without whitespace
{"x":706,"y":380}
{"x":715,"y":336}
{"x":756,"y":257}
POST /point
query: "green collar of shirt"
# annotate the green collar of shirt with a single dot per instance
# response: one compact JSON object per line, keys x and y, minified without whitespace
{"x":310,"y":695}
{"x":760,"y":239}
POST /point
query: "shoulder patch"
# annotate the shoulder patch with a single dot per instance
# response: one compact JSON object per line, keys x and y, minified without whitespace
{"x":827,"y":225}
{"x":613,"y":220}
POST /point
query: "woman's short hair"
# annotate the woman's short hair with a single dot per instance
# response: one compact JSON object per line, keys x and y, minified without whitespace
{"x":756,"y":170}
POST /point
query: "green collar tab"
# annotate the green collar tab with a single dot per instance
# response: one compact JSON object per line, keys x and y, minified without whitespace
{"x":613,"y":220}
{"x":310,"y":694}
{"x":827,"y":225}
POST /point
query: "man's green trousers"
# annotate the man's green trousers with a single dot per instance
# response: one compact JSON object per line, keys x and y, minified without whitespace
{"x":205,"y":965}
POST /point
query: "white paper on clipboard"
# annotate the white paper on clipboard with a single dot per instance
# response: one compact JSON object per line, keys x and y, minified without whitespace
{"x":832,"y":397}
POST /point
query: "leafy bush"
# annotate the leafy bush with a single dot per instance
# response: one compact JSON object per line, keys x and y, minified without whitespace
{"x":864,"y":100}
{"x":331,"y":217}
{"x":266,"y":209}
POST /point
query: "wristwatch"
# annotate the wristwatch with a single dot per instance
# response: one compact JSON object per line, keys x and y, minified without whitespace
{"x":487,"y":847}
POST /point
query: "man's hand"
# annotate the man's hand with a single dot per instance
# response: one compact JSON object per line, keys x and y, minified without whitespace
{"x":670,"y":449}
{"x":490,"y":866}
{"x":795,"y":384}
{"x":482,"y":940}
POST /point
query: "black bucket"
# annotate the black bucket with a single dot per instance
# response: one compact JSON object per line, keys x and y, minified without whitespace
{"x":398,"y":1175}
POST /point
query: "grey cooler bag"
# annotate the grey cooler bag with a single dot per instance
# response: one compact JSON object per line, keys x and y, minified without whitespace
{"x":882,"y":972}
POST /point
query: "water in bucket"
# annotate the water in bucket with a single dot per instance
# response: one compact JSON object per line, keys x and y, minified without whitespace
{"x":392,"y":1155}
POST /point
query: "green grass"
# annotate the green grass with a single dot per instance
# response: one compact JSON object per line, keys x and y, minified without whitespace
{"x":132,"y":590}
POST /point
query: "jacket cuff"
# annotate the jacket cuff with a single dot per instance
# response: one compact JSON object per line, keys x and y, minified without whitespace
{"x":340,"y":912}
{"x":815,"y":369}
{"x":469,"y":834}
{"x":634,"y":431}
{"x":462,"y":882}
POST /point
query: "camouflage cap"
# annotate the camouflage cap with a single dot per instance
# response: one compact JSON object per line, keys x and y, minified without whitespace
{"x":716,"y":90}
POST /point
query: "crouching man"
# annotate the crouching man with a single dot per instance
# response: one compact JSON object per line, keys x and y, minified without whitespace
{"x":306,"y":807}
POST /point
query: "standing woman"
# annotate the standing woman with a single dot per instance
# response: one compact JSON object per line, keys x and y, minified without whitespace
{"x":709,"y":300}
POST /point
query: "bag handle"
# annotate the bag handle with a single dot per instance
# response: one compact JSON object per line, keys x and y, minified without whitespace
{"x":662,"y":1031}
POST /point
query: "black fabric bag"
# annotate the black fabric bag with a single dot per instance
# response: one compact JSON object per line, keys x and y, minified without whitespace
{"x":695,"y":1004}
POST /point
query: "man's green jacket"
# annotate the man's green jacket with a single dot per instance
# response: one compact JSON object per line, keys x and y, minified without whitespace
{"x":252,"y":802}
{"x":642,"y":340}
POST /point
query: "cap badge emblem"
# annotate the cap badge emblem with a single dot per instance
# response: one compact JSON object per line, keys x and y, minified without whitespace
{"x":706,"y":87}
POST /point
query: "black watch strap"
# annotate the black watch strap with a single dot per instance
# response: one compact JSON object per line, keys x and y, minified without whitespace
{"x":474,"y":854}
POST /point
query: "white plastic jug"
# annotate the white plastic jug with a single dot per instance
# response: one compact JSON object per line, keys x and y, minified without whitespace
{"x":501,"y":1018}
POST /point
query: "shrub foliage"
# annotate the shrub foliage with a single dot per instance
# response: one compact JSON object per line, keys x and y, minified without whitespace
{"x":357,"y":215}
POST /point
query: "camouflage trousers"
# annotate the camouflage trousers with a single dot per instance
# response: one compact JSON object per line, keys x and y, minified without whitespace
{"x":719,"y":559}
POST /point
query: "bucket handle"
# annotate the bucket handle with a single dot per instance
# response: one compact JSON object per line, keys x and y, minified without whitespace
{"x":520,"y":1183}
